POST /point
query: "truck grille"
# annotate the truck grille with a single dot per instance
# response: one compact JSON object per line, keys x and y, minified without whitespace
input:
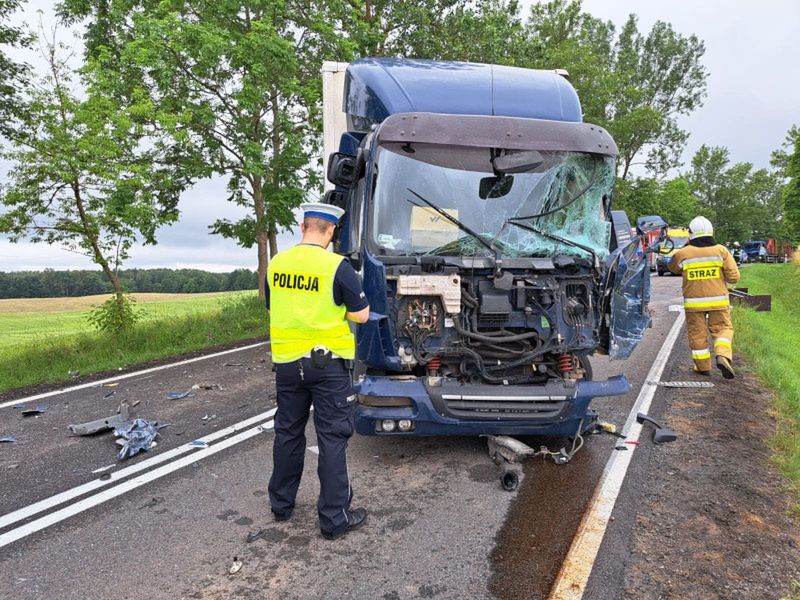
{"x":504,"y":407}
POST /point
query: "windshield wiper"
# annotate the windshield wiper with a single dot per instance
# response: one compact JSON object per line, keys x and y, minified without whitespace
{"x":567,"y":204}
{"x":557,"y":238}
{"x":458,"y":224}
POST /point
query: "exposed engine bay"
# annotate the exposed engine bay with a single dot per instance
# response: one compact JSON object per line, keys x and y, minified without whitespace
{"x":480,"y":326}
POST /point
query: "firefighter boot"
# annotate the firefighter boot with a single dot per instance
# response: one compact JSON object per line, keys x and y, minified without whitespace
{"x":725,"y":366}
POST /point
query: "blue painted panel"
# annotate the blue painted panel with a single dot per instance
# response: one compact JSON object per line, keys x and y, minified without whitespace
{"x":428,"y":421}
{"x":377,"y":88}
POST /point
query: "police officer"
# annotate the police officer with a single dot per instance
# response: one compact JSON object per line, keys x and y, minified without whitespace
{"x":707,"y":268}
{"x":311,"y":294}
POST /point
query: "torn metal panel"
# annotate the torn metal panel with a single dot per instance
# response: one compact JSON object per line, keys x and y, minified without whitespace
{"x":101,"y":424}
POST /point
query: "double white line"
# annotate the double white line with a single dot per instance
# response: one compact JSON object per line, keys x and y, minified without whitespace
{"x":246,"y":429}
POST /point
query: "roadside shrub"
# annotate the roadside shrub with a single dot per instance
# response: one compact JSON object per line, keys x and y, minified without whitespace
{"x":115,"y":315}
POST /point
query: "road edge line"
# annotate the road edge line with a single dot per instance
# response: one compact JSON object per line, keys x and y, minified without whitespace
{"x":116,"y":476}
{"x":571,"y":581}
{"x":82,"y":505}
{"x":101,"y":382}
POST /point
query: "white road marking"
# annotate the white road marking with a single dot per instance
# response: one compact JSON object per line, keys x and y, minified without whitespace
{"x":314,"y":449}
{"x":114,"y":477}
{"x":126,"y":486}
{"x":577,"y":566}
{"x":102,"y":382}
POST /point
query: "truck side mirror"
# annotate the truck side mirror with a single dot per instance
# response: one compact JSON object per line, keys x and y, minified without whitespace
{"x":336,"y":198}
{"x":342,"y":169}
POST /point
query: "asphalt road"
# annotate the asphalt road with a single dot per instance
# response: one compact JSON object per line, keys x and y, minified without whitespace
{"x":437,"y":513}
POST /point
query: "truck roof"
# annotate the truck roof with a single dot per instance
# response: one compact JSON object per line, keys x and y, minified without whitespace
{"x":378,"y":87}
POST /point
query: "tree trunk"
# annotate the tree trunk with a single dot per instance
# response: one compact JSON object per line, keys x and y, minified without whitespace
{"x":91,"y":236}
{"x":273,"y":244}
{"x":262,"y":239}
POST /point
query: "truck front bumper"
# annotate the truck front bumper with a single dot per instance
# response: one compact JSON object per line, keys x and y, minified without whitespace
{"x":441,"y":407}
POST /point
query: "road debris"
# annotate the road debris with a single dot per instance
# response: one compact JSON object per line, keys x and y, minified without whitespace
{"x":102,"y":424}
{"x":36,"y":410}
{"x":179,"y":395}
{"x":620,"y":447}
{"x":199,"y":443}
{"x":207,"y":386}
{"x":111,"y":385}
{"x":152,"y":502}
{"x":684,"y":384}
{"x":109,"y":394}
{"x":106,"y":468}
{"x":232,"y":364}
{"x":661,"y":435}
{"x":73,"y":374}
{"x":255,"y":535}
{"x":208,"y":418}
{"x":236,"y":566}
{"x":135,"y":436}
{"x":8,"y":439}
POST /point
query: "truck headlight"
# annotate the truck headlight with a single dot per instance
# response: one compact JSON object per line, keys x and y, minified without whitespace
{"x":405,"y":424}
{"x":387,"y":425}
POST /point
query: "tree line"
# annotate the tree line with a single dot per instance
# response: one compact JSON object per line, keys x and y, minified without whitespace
{"x":61,"y":284}
{"x":170,"y":93}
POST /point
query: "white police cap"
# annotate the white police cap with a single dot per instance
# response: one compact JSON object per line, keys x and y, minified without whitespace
{"x":329,"y":212}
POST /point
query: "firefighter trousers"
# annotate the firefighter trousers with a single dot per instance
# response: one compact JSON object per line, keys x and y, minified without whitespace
{"x":718,"y":324}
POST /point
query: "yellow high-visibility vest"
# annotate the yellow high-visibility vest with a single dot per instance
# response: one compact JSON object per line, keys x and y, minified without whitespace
{"x":303,"y":314}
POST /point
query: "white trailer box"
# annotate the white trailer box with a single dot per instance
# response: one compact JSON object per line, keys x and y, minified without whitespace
{"x":334,"y":120}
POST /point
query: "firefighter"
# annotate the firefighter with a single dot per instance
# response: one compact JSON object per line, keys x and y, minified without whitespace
{"x":311,"y":294}
{"x":706,"y":268}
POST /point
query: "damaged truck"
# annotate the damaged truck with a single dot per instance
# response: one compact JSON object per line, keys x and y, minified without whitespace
{"x":478,"y":212}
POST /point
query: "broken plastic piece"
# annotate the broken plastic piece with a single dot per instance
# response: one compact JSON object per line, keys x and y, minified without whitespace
{"x":208,"y":418}
{"x":8,"y":439}
{"x":178,"y":395}
{"x":236,"y":566}
{"x":38,"y":409}
{"x":233,"y":365}
{"x":620,"y":447}
{"x":101,"y":424}
{"x":115,"y":384}
{"x":255,"y":535}
{"x":109,"y":394}
{"x":136,"y":435}
{"x":634,"y":442}
{"x":73,"y":374}
{"x":661,"y":435}
{"x":199,"y":443}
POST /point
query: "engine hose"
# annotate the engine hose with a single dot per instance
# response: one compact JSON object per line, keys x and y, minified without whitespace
{"x":493,"y":340}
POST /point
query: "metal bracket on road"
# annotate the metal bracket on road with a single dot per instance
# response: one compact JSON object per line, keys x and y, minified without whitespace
{"x":683,"y":384}
{"x":102,"y":424}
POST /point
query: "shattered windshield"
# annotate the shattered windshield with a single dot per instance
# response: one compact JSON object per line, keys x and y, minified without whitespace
{"x":555,"y":206}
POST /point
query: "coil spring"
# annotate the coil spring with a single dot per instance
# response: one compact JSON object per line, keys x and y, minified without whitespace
{"x":565,"y":362}
{"x":435,"y":363}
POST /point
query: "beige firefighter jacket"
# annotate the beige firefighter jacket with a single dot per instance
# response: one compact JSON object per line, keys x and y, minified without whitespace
{"x":705,"y":271}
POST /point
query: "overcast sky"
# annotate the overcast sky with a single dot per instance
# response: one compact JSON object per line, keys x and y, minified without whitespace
{"x":752,"y":51}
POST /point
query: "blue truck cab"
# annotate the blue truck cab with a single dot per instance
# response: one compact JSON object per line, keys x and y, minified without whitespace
{"x":478,"y":213}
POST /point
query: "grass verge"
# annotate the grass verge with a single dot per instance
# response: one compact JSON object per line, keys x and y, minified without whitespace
{"x":49,"y":359}
{"x":770,"y":341}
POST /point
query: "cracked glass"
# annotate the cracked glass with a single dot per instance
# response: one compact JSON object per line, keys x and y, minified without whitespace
{"x":555,"y":207}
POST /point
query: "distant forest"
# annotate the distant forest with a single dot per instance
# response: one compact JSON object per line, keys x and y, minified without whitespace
{"x":56,"y":284}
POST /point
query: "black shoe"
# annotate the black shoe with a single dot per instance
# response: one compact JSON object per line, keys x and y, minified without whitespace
{"x":703,"y":373}
{"x":282,"y":516}
{"x":725,"y":366}
{"x":355,"y":519}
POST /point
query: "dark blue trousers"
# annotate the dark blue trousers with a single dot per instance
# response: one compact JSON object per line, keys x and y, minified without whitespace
{"x":300,"y":385}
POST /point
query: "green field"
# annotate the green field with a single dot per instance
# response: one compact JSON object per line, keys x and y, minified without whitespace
{"x":43,"y":339}
{"x":770,"y":342}
{"x":40,"y":320}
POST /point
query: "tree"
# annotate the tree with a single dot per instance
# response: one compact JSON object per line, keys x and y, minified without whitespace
{"x":791,"y":194}
{"x":12,"y":73}
{"x":677,"y":204}
{"x":86,"y":174}
{"x":238,"y":83}
{"x":657,"y":77}
{"x":780,"y":158}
